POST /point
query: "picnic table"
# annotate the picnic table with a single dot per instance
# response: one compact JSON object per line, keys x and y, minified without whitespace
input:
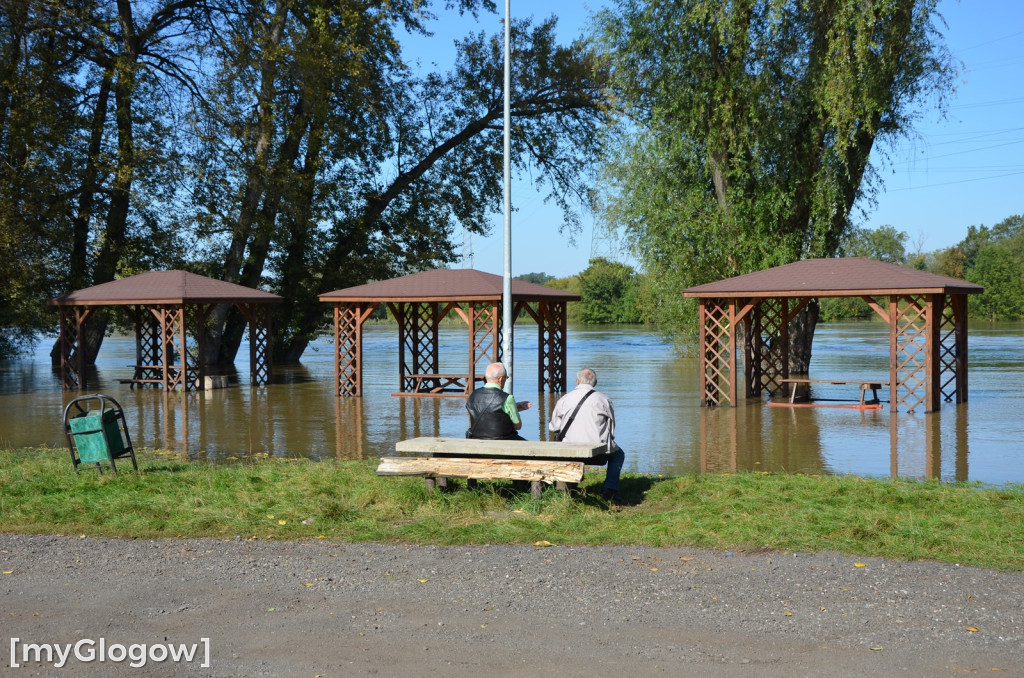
{"x":865,"y":386}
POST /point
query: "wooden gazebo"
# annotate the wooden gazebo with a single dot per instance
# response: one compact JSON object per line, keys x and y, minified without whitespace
{"x":419,"y":302}
{"x":166,"y":307}
{"x":926,"y":313}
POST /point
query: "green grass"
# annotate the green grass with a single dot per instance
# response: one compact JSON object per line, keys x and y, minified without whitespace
{"x":347,"y":501}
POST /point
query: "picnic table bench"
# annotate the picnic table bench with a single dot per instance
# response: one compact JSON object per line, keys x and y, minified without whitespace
{"x":436,"y":384}
{"x":865,"y":385}
{"x":558,"y":463}
{"x":144,"y":374}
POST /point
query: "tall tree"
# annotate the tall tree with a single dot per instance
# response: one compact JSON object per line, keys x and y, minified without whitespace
{"x":126,"y":64}
{"x":750,"y":126}
{"x":348,"y":168}
{"x":38,"y":100}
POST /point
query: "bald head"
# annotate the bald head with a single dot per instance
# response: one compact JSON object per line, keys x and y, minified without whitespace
{"x":495,"y":372}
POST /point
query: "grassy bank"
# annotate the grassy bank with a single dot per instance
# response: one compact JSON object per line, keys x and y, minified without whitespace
{"x":347,"y":501}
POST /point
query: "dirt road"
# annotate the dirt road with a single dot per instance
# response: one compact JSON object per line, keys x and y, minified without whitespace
{"x":328,"y":609}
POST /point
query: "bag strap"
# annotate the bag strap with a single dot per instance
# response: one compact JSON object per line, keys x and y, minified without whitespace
{"x":568,"y":422}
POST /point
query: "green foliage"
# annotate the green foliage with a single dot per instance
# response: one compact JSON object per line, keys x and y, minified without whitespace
{"x":745,"y":138}
{"x":347,"y":501}
{"x":993,"y":257}
{"x":536,"y":278}
{"x":884,"y":243}
{"x":609,"y":293}
{"x":277,"y":145}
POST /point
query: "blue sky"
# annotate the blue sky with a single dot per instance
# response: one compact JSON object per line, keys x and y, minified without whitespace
{"x":955,"y":172}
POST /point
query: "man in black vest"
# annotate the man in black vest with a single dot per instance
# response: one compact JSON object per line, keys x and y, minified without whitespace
{"x":494,"y":414}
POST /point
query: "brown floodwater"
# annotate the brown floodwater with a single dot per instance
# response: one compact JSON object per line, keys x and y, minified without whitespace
{"x":660,"y":423}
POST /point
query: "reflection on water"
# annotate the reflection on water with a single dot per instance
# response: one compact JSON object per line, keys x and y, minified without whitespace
{"x":660,"y":422}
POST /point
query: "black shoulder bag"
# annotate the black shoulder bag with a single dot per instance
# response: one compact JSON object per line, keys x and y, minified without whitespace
{"x":568,"y":422}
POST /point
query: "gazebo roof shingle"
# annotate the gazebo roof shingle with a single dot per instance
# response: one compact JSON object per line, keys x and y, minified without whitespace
{"x":464,"y":284}
{"x":845,"y":277}
{"x":165,"y":287}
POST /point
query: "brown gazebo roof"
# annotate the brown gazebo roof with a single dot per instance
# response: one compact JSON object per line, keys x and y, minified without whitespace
{"x":464,"y":284}
{"x":165,"y":287}
{"x":834,"y":278}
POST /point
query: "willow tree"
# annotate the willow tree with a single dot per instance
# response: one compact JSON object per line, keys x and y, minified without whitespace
{"x":750,"y":126}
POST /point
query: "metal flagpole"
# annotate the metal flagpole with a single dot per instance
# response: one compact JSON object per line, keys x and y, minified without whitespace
{"x":506,"y":291}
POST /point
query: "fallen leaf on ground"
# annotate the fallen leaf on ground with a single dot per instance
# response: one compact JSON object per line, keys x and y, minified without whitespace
{"x":542,"y":542}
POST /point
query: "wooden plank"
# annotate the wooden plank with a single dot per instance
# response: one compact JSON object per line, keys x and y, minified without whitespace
{"x":483,"y":469}
{"x":473,"y":447}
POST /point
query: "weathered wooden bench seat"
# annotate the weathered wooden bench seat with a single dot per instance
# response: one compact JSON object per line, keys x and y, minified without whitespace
{"x":436,"y":459}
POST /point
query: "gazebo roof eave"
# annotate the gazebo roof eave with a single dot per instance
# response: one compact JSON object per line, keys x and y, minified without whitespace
{"x":173,"y":301}
{"x":327,"y":298}
{"x":822,"y":294}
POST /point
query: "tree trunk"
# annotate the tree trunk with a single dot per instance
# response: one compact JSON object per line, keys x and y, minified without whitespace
{"x":801,"y":336}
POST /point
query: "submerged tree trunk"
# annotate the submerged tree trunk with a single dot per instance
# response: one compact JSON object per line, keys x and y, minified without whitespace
{"x":801,"y":336}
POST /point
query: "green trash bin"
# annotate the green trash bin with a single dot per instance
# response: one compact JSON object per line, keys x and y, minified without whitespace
{"x":97,"y":433}
{"x":97,"y":436}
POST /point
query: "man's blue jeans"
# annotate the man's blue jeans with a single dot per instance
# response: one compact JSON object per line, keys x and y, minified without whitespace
{"x":615,"y":461}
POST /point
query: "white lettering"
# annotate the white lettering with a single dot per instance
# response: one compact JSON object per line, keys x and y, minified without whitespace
{"x":62,"y":657}
{"x":162,"y":649}
{"x":89,"y":654}
{"x":119,"y":650}
{"x":137,"y":653}
{"x":88,"y":650}
{"x":179,"y":652}
{"x":38,"y":649}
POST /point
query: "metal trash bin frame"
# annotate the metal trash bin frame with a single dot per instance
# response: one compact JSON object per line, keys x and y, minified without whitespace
{"x":97,"y":433}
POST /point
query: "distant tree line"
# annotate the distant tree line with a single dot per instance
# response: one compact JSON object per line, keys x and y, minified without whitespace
{"x":990,"y":256}
{"x":610,"y":291}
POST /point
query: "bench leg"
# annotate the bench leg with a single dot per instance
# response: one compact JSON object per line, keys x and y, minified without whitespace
{"x":470,"y":483}
{"x":536,"y":490}
{"x":442,"y":482}
{"x":430,"y":484}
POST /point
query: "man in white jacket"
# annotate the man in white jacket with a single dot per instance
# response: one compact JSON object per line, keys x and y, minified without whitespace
{"x":594,"y":422}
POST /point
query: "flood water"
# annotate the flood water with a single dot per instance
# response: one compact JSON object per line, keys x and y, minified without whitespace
{"x":660,"y":422}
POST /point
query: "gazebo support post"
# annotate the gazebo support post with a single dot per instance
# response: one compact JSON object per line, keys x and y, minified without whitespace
{"x":959,"y":307}
{"x":348,"y":346}
{"x":261,"y":361}
{"x":933,"y":381}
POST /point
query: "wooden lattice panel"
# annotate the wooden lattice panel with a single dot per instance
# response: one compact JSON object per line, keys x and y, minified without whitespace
{"x":71,"y":372}
{"x":768,"y":348}
{"x":418,"y":350}
{"x":172,"y":326}
{"x":191,"y":354}
{"x":716,"y":349}
{"x":910,"y":319}
{"x":949,"y":353}
{"x":486,"y":331}
{"x":348,"y":351}
{"x":551,"y":336}
{"x":260,"y":355}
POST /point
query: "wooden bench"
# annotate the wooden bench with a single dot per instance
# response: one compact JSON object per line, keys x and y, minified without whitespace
{"x":864,"y":387}
{"x":558,"y":463}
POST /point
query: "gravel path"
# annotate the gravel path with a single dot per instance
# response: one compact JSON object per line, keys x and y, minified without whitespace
{"x":326,"y":609}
